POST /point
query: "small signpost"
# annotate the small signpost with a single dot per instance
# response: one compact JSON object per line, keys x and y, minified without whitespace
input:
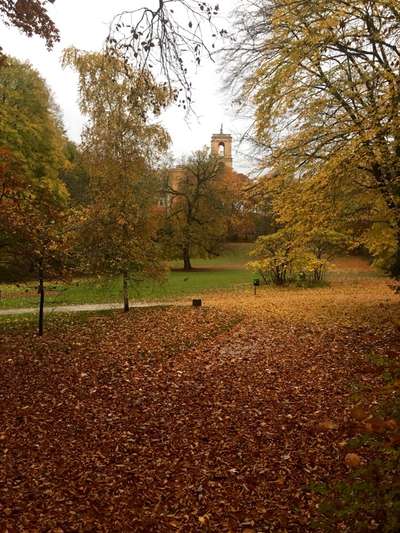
{"x":256,"y":283}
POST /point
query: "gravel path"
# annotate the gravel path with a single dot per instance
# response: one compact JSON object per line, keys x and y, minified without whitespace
{"x":87,"y":307}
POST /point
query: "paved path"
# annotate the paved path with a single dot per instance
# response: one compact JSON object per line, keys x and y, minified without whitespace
{"x":86,"y":307}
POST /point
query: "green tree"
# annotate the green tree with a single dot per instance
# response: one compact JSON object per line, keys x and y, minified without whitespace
{"x":29,"y":123}
{"x":34,"y":214}
{"x":31,"y":159}
{"x":121,"y":146}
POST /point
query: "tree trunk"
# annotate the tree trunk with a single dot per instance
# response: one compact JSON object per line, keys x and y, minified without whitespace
{"x":125,"y":291}
{"x":187,"y":265}
{"x":395,"y":267}
{"x":41,"y":302}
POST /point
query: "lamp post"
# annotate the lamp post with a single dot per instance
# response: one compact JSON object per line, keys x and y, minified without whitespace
{"x":256,"y":283}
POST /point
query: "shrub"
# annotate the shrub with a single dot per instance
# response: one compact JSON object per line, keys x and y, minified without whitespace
{"x":291,"y":255}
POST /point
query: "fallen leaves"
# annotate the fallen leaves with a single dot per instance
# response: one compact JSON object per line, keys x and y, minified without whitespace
{"x":182,"y":419}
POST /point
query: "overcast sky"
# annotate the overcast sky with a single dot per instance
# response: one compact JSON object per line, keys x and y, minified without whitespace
{"x":84,"y":24}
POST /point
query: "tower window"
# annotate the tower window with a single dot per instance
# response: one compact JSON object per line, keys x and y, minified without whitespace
{"x":221,"y":149}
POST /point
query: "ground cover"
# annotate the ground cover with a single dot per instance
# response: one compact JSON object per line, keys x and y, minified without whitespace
{"x":226,"y":272}
{"x":275,"y":412}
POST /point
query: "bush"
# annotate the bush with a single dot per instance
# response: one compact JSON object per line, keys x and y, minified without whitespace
{"x":278,"y":259}
{"x":290,"y":256}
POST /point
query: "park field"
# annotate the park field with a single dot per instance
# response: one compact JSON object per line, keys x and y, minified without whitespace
{"x":226,"y":272}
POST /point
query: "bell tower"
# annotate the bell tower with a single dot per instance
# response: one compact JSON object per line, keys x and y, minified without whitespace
{"x":221,"y":144}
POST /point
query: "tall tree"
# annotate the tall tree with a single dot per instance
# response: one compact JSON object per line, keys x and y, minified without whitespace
{"x":34,"y":240}
{"x":31,"y":157}
{"x":198,"y":207}
{"x":121,"y":146}
{"x":324,"y":80}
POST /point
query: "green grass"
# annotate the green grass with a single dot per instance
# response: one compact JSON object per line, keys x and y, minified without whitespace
{"x":235,"y":255}
{"x":221,"y":273}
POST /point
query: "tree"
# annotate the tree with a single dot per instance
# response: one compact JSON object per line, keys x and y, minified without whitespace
{"x":121,"y":147}
{"x":39,"y":224}
{"x":324,"y":80}
{"x":291,"y":254}
{"x":30,"y":127}
{"x":31,"y":17}
{"x":34,"y":236}
{"x":277,"y":257}
{"x":197,"y":214}
{"x":31,"y":157}
{"x":242,"y":218}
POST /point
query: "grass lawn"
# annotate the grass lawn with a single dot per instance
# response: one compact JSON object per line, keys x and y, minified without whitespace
{"x":224,"y":272}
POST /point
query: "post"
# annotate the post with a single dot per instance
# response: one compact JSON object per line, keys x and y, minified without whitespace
{"x":41,"y":301}
{"x":125,"y":291}
{"x":256,"y":283}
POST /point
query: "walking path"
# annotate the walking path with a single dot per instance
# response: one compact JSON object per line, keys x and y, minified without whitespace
{"x":87,"y":307}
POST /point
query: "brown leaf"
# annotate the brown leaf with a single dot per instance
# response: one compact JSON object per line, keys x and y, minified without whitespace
{"x":395,"y":440}
{"x":353,"y":460}
{"x":378,"y":425}
{"x":204,"y":519}
{"x":359,"y":414}
{"x":391,"y":424}
{"x":328,"y":425}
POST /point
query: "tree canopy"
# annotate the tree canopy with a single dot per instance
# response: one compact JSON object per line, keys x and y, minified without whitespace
{"x":323,"y":78}
{"x":31,"y":160}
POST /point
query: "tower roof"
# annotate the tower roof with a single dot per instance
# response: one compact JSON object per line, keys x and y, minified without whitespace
{"x":225,"y":136}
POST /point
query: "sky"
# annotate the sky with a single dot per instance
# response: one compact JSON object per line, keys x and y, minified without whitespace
{"x":84,"y":24}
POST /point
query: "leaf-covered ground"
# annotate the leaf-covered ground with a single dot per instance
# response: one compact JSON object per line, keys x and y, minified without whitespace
{"x":225,"y":418}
